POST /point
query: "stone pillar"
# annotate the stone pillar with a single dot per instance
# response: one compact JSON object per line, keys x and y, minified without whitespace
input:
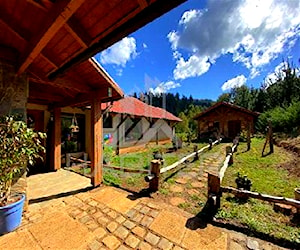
{"x":13,"y":91}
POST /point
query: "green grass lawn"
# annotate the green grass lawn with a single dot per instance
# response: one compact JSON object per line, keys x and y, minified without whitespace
{"x":138,"y":160}
{"x":267,"y":177}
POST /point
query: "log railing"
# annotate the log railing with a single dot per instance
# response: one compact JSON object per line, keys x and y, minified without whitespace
{"x":156,"y":171}
{"x":215,"y":189}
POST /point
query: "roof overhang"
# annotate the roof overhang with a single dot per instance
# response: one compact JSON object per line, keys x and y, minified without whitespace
{"x":52,"y":41}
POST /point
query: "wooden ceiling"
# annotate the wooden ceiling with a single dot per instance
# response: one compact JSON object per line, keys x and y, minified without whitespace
{"x":53,"y":39}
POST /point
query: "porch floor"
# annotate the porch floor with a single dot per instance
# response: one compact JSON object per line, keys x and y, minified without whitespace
{"x":110,"y":218}
{"x":48,"y":185}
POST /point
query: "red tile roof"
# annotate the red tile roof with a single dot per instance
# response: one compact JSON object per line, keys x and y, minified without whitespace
{"x":133,"y":106}
{"x":227,"y":104}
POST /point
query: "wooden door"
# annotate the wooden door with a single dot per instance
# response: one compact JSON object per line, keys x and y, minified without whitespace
{"x":234,"y":128}
{"x":35,"y":120}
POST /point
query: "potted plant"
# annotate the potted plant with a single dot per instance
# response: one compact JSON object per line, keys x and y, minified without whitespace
{"x":19,"y":146}
{"x":243,"y":182}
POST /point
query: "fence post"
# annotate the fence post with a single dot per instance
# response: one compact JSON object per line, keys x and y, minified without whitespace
{"x":155,"y":171}
{"x":196,"y":151}
{"x":214,"y":194}
{"x":210,"y":144}
{"x":229,"y":152}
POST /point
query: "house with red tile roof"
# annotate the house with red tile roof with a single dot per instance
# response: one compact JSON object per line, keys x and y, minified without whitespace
{"x":130,"y":124}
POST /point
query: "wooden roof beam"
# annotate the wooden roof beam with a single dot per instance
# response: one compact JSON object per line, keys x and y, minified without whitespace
{"x":84,"y":98}
{"x":143,"y":3}
{"x":78,"y":32}
{"x":7,"y":21}
{"x":62,"y":83}
{"x":23,"y":35}
{"x":59,"y":15}
{"x":127,"y":25}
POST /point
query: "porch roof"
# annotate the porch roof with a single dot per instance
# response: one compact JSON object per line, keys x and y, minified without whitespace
{"x":226,"y":104}
{"x":51,"y":40}
{"x":133,"y":106}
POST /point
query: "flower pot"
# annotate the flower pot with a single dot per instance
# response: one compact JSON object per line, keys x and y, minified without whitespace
{"x":11,"y":216}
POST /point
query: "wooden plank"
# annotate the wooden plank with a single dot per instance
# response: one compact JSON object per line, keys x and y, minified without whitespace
{"x":259,"y":196}
{"x":96,"y":140}
{"x":74,"y":27}
{"x":62,"y":11}
{"x":143,"y":4}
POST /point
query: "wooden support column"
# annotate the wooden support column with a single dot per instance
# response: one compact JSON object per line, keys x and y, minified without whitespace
{"x":56,"y":140}
{"x":214,"y":193}
{"x":96,"y":140}
{"x":155,"y":171}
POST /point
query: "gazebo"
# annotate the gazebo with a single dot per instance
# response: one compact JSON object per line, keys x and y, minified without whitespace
{"x":45,"y":51}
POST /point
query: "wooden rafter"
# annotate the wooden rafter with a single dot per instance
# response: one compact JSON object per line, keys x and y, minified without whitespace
{"x":83,"y":99}
{"x":119,"y":29}
{"x":21,"y":33}
{"x":65,"y":84}
{"x":59,"y":15}
{"x":78,"y":32}
{"x":38,"y":3}
{"x":143,"y":3}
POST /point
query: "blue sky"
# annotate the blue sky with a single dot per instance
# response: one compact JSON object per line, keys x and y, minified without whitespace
{"x":204,"y":48}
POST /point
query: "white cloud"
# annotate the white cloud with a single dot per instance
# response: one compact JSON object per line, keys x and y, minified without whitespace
{"x":254,"y":32}
{"x":194,"y":66}
{"x":145,"y":46}
{"x":163,"y":87}
{"x":120,"y":53}
{"x":234,"y":82}
{"x":271,"y":77}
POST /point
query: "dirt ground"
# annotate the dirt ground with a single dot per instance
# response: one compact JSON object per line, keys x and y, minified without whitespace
{"x":293,"y":146}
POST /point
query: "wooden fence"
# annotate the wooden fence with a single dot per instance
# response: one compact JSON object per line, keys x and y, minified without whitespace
{"x":215,"y":189}
{"x":155,"y":171}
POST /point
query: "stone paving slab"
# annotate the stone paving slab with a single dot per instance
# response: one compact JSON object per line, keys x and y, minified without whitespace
{"x":60,"y":231}
{"x":21,"y":239}
{"x":169,"y":225}
{"x":122,"y":204}
{"x":106,"y":218}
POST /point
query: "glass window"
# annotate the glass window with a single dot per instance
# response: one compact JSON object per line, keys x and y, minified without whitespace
{"x":133,"y":129}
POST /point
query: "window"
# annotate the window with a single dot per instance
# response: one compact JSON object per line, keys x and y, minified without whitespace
{"x":108,"y":121}
{"x":133,"y":129}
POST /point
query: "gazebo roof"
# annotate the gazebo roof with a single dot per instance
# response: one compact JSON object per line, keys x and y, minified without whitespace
{"x":51,"y":40}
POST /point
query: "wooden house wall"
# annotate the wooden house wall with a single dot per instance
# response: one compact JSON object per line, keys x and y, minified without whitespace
{"x":223,"y":115}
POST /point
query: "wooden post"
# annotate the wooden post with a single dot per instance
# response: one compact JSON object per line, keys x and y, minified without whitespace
{"x":210,"y":144}
{"x":196,"y":151}
{"x":55,"y":160}
{"x":248,"y":137}
{"x":155,"y":170}
{"x":96,"y":140}
{"x":271,"y":138}
{"x":213,"y":186}
{"x":229,"y":151}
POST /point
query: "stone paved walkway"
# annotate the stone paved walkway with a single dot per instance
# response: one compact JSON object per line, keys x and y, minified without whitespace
{"x":188,"y":188}
{"x":109,"y":218}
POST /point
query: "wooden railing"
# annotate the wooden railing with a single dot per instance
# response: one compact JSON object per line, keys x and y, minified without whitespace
{"x":154,"y":177}
{"x":215,"y":189}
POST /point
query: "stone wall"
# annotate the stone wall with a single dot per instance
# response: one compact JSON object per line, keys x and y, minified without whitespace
{"x":13,"y":91}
